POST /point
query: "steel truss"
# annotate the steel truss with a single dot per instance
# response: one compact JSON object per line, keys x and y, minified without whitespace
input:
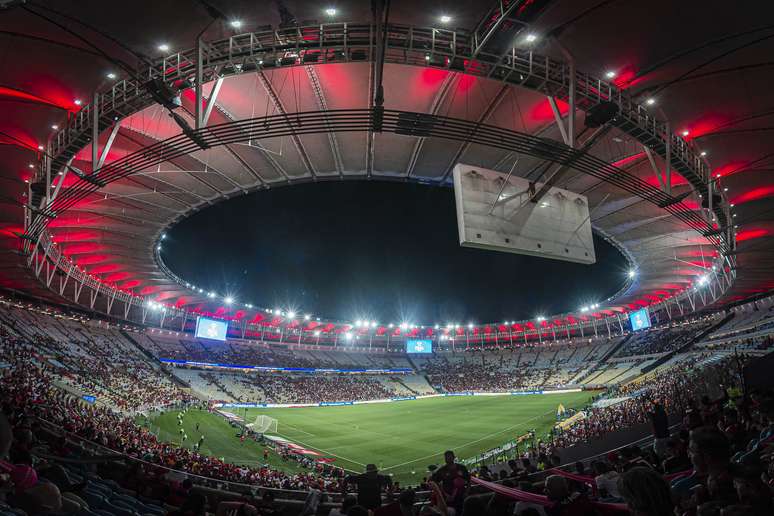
{"x":404,"y":44}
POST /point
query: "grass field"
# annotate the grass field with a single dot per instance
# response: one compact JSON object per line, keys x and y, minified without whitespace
{"x":401,"y":438}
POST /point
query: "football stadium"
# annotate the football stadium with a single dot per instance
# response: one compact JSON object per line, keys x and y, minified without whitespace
{"x":386,"y":258}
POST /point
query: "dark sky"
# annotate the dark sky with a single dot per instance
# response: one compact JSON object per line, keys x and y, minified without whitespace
{"x":373,"y":250}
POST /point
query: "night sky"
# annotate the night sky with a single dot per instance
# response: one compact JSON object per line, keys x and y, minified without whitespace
{"x":373,"y":250}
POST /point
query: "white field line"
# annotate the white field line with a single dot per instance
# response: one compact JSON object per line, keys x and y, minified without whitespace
{"x":471,"y":442}
{"x":321,"y":450}
{"x":295,"y":428}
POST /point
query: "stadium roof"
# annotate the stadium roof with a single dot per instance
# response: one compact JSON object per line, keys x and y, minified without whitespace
{"x":474,"y":90}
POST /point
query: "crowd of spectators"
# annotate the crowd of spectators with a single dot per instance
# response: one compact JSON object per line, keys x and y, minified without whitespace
{"x":313,"y":388}
{"x":109,"y":372}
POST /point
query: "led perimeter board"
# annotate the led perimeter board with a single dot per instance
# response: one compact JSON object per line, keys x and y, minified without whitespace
{"x":211,"y":329}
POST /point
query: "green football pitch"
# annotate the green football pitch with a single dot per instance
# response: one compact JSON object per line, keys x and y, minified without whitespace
{"x":401,"y":438}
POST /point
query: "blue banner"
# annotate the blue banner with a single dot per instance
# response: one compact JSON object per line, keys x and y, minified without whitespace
{"x":403,"y":398}
{"x":459,"y":394}
{"x":524,"y":393}
{"x":244,"y":405}
{"x":334,"y":403}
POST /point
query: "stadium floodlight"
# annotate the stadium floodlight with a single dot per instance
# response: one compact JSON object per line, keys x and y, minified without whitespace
{"x":331,"y":11}
{"x":389,"y":325}
{"x":158,"y":247}
{"x":54,"y":127}
{"x":610,"y":74}
{"x":236,"y":23}
{"x":435,"y":327}
{"x":348,"y":336}
{"x":211,"y":294}
{"x":703,"y":280}
{"x":531,"y":38}
{"x":248,"y":305}
{"x":470,"y":326}
{"x":373,"y":324}
{"x":307,"y":317}
{"x":584,"y":309}
{"x":632,"y":273}
{"x":111,"y":75}
{"x":317,"y":333}
{"x":163,"y":236}
{"x":650,"y":101}
{"x":201,"y":291}
{"x":403,"y":326}
{"x":228,"y":300}
{"x":703,"y":153}
{"x":445,"y":18}
{"x":540,"y":318}
{"x":163,"y":47}
{"x":291,"y":314}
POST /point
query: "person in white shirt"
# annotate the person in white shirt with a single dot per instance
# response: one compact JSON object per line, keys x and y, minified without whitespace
{"x":607,"y":480}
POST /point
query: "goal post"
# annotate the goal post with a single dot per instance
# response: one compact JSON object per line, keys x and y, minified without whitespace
{"x":263,"y":424}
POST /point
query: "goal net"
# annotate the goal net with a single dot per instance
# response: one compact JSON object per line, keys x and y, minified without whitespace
{"x":263,"y":424}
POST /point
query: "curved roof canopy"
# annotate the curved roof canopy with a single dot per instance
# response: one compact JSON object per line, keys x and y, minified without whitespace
{"x":281,"y":106}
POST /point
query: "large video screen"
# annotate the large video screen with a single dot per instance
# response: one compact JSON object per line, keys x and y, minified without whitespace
{"x":419,"y":346}
{"x":640,"y":319}
{"x":211,"y":329}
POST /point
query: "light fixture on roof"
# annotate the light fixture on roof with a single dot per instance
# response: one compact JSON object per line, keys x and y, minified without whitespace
{"x":373,"y":324}
{"x":610,"y":74}
{"x":163,"y":47}
{"x":77,"y":102}
{"x":403,"y":326}
{"x":348,"y":336}
{"x":55,"y":127}
{"x":228,"y":300}
{"x":40,"y":147}
{"x":211,"y":294}
{"x":725,"y":189}
{"x":703,"y":153}
{"x":163,"y":236}
{"x":650,"y":101}
{"x":358,"y":323}
{"x":158,"y":248}
{"x":331,"y":11}
{"x":632,"y":273}
{"x":291,"y":314}
{"x":248,"y":305}
{"x":685,"y":133}
{"x":540,"y":318}
{"x":470,"y":326}
{"x":531,"y":38}
{"x":307,"y":317}
{"x":317,"y":333}
{"x":235,"y":23}
{"x":445,"y":18}
{"x":111,"y":75}
{"x":31,"y":165}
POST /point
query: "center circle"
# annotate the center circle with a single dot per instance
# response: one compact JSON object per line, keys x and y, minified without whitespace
{"x":374,"y":250}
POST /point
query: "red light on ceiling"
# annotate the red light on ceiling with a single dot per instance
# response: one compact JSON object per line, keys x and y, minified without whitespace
{"x":751,"y":234}
{"x":542,"y":112}
{"x":754,"y":194}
